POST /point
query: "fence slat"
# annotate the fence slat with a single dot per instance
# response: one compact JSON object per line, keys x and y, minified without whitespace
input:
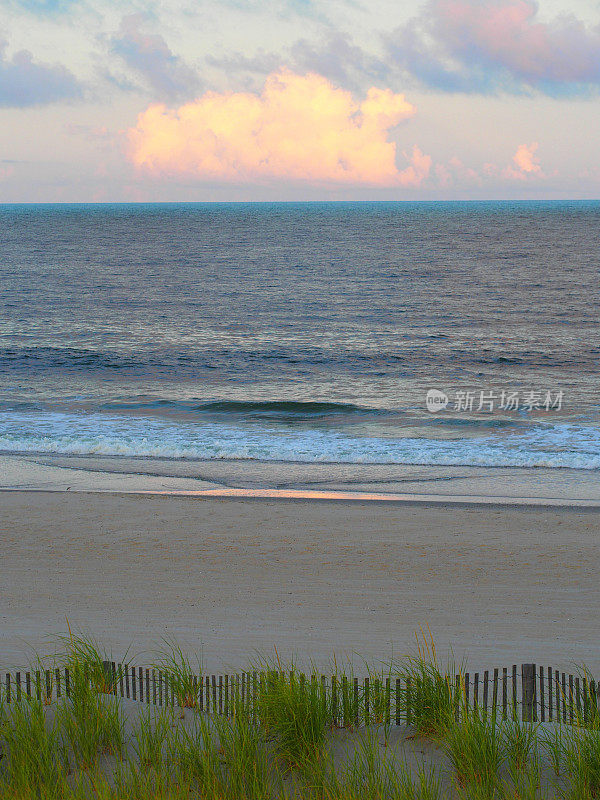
{"x":388,"y":698}
{"x":495,"y":693}
{"x":571,"y":699}
{"x":542,"y":697}
{"x":486,"y":681}
{"x":345,"y":702}
{"x":514,"y":689}
{"x":457,"y":696}
{"x":334,"y":701}
{"x":528,"y":692}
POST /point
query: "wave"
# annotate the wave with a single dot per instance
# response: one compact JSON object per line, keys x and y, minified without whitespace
{"x":270,"y":409}
{"x":63,"y":358}
{"x":413,"y":356}
{"x":286,"y":407}
{"x":550,"y":445}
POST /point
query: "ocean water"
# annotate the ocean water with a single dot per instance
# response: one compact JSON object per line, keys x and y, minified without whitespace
{"x":306,"y":333}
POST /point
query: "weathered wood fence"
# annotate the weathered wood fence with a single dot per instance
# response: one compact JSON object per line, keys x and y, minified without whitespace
{"x":535,"y":693}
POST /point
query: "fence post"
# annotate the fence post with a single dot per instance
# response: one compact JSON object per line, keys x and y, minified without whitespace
{"x":528,"y":692}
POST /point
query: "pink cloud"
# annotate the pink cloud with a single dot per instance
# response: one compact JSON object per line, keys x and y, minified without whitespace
{"x":481,"y":44}
{"x":300,"y":128}
{"x":507,"y":32}
{"x":456,"y":172}
{"x":418,"y":169}
{"x":525,"y":163}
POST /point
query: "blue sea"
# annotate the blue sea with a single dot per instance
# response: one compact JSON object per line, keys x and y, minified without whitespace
{"x":303,"y":333}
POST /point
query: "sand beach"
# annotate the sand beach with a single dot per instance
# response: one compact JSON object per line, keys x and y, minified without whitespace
{"x":233,"y":577}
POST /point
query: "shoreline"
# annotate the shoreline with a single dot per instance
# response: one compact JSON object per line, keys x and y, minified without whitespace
{"x":331,"y":497}
{"x":316,"y":482}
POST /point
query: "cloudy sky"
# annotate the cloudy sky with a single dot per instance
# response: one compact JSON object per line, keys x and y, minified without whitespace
{"x":299,"y":99}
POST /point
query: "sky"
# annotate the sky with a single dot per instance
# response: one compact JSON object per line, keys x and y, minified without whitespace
{"x":253,"y":100}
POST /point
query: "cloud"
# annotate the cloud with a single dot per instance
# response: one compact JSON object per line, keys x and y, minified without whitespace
{"x":44,"y":7}
{"x":261,"y":63}
{"x":526,"y":160}
{"x":334,"y":56}
{"x":525,"y":164}
{"x":24,"y":82}
{"x":338,"y":59}
{"x":149,"y":55}
{"x":300,"y":128}
{"x":491,"y":45}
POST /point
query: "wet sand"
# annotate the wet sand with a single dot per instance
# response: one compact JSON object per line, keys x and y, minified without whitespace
{"x":231,"y":576}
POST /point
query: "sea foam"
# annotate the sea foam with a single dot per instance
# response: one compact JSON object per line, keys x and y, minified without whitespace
{"x":550,"y":445}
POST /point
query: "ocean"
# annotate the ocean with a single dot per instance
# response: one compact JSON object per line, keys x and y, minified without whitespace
{"x":307,"y":333}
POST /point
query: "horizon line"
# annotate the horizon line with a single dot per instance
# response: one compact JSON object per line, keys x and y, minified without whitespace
{"x":472,"y":201}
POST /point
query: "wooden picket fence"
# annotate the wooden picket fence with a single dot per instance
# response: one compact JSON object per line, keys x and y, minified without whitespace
{"x":538,"y":694}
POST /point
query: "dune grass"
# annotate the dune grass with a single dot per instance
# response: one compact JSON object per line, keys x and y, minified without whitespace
{"x":429,"y":692}
{"x":519,"y":740}
{"x":91,"y":722}
{"x":300,"y":740}
{"x":473,"y":745}
{"x":33,"y":750}
{"x":294,"y":712}
{"x":179,"y":673}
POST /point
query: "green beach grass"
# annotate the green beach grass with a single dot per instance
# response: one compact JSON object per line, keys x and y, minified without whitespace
{"x":296,"y":740}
